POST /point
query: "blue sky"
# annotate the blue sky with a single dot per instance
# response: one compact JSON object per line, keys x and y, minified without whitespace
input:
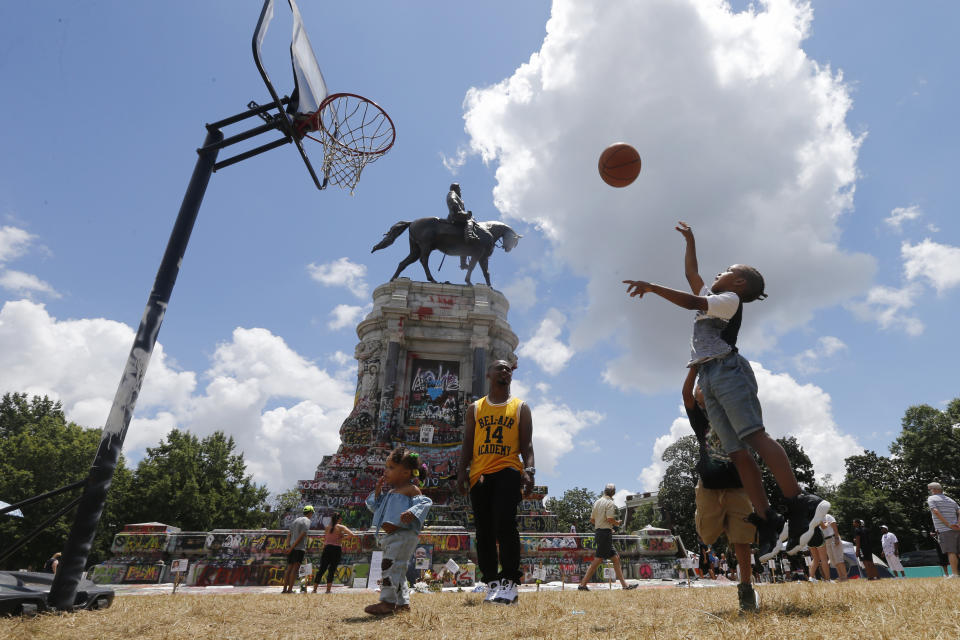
{"x":815,"y":141}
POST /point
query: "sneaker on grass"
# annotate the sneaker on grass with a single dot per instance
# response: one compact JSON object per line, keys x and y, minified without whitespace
{"x":749,"y":600}
{"x":493,"y":590}
{"x":507,"y":593}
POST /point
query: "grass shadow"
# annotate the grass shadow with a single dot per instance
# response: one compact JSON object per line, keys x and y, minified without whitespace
{"x":363,"y":619}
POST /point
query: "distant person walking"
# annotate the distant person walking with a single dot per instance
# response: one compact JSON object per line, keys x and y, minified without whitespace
{"x":946,"y":521}
{"x":50,"y":566}
{"x":332,"y":551}
{"x":604,"y":519}
{"x":296,"y":548}
{"x":833,"y":546}
{"x":861,"y":539}
{"x":891,"y":551}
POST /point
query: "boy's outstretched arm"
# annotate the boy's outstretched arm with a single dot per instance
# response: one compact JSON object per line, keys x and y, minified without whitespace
{"x":690,"y":267}
{"x":679,"y":298}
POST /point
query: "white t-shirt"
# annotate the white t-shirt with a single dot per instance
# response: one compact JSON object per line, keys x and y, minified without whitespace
{"x":888,"y":542}
{"x":828,"y":532}
{"x":708,"y":325}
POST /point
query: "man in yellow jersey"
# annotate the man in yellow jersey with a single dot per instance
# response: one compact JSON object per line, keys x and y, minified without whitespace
{"x":497,"y":468}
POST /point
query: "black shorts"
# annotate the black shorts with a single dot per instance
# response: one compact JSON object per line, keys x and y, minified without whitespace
{"x":604,"y":538}
{"x":296,"y":556}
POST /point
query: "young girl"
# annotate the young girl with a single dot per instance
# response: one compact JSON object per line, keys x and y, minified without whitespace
{"x":332,"y":552}
{"x":400,"y":512}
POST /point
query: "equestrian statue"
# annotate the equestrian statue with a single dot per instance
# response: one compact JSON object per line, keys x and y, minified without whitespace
{"x":458,"y":235}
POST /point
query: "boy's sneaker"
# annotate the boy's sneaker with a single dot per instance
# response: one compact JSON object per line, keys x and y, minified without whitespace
{"x":749,"y":600}
{"x":507,"y":593}
{"x":770,"y":532}
{"x":805,"y":511}
{"x":582,"y":587}
{"x":493,"y":590}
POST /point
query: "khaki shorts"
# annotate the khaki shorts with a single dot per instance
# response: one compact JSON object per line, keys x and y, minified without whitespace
{"x":834,"y":551}
{"x":724,"y":511}
{"x":893,"y":562}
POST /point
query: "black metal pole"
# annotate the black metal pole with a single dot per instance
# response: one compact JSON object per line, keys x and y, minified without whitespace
{"x":43,"y":496}
{"x":9,"y":551}
{"x":64,"y":588}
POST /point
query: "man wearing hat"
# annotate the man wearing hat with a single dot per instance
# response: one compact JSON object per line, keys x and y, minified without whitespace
{"x":891,"y":551}
{"x":296,"y":548}
{"x":604,"y":519}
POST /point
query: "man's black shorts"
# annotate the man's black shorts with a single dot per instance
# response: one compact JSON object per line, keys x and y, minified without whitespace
{"x":295,"y":556}
{"x":604,"y":538}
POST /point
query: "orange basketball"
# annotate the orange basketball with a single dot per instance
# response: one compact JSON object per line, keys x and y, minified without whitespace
{"x":619,"y":164}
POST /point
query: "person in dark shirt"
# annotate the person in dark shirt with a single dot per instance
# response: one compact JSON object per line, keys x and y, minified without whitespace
{"x":723,"y":505}
{"x":861,"y":538}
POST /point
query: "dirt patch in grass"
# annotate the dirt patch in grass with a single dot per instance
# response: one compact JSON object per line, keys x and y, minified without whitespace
{"x":916,"y":608}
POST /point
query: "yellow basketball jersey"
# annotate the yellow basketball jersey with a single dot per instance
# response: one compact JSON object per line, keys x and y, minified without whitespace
{"x":496,"y":438}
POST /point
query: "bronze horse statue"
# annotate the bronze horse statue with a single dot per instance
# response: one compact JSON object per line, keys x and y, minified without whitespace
{"x":427,"y":234}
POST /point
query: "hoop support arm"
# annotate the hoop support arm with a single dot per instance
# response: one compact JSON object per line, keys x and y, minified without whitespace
{"x":43,"y":496}
{"x":252,"y":152}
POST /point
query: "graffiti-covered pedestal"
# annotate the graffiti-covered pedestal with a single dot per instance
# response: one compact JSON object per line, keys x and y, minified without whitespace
{"x":421,"y":361}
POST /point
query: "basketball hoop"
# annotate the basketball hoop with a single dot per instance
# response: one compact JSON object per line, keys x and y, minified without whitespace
{"x":354,"y":132}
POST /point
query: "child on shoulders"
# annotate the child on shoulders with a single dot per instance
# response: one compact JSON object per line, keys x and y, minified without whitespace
{"x":730,"y":394}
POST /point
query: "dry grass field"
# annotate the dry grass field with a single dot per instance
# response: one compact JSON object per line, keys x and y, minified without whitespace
{"x":916,"y":608}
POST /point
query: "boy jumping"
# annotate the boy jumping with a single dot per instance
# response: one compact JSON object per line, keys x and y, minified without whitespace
{"x":730,"y":392}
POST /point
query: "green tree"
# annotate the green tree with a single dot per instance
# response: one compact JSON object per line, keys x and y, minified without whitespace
{"x":645,"y":514}
{"x":677,"y":496}
{"x":41,"y":451}
{"x":573,"y":508}
{"x":197,"y":485}
{"x":282,"y":503}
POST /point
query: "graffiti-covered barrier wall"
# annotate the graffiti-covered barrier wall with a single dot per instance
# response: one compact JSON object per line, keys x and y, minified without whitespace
{"x":245,"y":557}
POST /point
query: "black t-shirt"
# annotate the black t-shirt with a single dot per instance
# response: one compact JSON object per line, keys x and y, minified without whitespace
{"x":714,"y":467}
{"x":864,"y":534}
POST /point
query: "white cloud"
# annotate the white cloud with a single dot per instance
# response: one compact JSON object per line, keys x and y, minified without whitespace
{"x":889,"y":308}
{"x":901,"y":214}
{"x":810,"y":360}
{"x":522,"y":293}
{"x":341,"y":358}
{"x":938,"y":264}
{"x":620,"y":497}
{"x":455,"y":162}
{"x":23,"y":283}
{"x":554,"y":427}
{"x":14,"y":242}
{"x":341,"y":273}
{"x":544,"y":347}
{"x":741,"y":134}
{"x":283,"y":411}
{"x":789,"y":409}
{"x":345,"y":315}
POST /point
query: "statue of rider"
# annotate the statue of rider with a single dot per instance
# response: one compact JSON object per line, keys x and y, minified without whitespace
{"x":459,"y":216}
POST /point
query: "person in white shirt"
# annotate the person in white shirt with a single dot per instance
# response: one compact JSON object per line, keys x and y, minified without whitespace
{"x":891,"y":551}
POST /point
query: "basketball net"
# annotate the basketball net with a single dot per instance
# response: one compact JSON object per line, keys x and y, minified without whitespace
{"x":354,"y":132}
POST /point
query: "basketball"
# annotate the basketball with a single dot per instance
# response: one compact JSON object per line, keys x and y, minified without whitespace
{"x":619,"y":164}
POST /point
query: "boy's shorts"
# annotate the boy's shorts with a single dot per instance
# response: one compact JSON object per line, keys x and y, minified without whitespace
{"x":724,"y":511}
{"x":730,"y":391}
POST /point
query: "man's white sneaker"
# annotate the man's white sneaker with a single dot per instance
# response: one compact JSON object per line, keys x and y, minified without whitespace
{"x":493,"y":590}
{"x":507,"y":593}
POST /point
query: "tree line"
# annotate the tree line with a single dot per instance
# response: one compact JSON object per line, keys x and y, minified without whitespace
{"x":879,"y":489}
{"x":196,"y":484}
